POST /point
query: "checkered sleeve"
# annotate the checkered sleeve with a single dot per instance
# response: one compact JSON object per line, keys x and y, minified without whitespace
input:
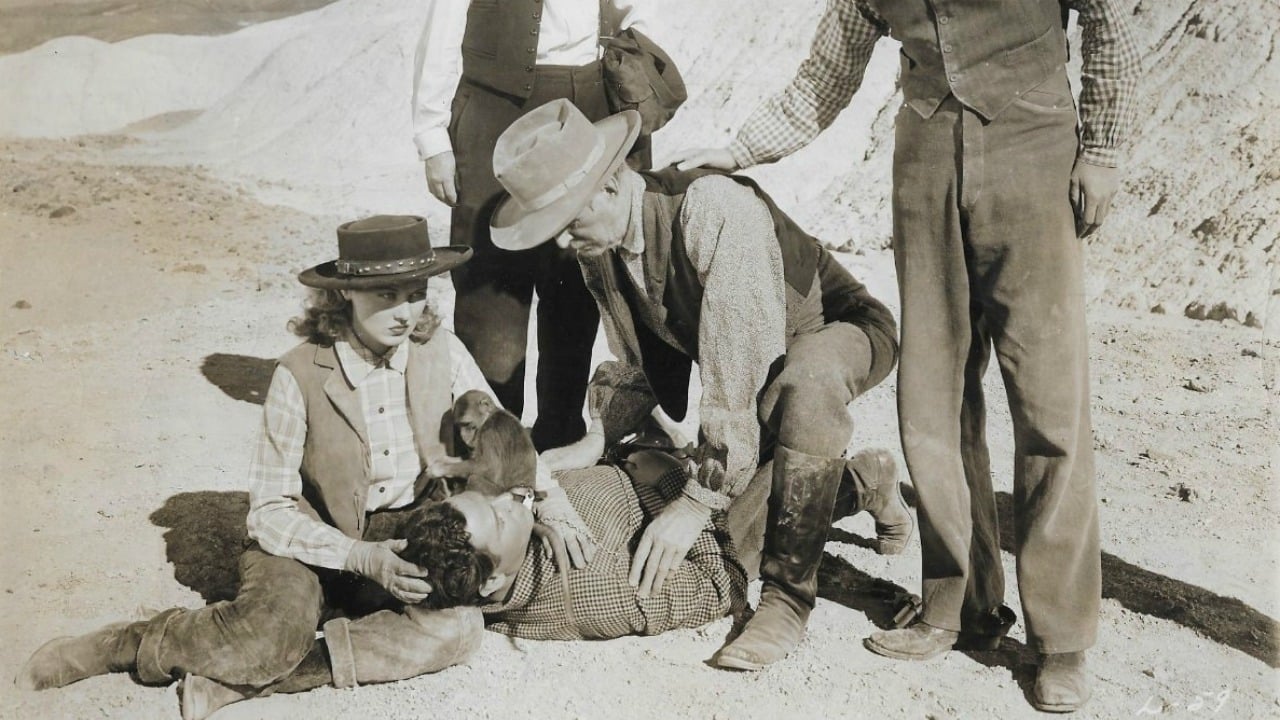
{"x":706,"y":586}
{"x":275,"y":485}
{"x":823,"y":86}
{"x":1109,"y":80}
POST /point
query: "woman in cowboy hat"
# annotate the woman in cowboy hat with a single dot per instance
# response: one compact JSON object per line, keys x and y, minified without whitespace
{"x":353,"y":415}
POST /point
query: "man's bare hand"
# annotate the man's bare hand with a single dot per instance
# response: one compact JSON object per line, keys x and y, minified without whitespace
{"x":665,"y":543}
{"x":442,"y":178}
{"x":380,"y":563}
{"x":717,"y":158}
{"x":1092,"y":188}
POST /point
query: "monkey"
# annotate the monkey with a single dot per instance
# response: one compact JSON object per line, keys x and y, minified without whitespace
{"x":499,"y":453}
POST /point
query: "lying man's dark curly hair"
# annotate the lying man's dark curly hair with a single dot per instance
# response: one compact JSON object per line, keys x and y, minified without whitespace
{"x":438,"y":540}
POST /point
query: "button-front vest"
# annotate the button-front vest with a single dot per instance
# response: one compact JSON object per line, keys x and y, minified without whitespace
{"x":500,"y":45}
{"x":807,"y":268}
{"x":985,"y":52}
{"x":336,"y":470}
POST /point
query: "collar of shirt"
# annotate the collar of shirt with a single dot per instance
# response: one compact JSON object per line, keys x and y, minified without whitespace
{"x":526,"y":583}
{"x":358,"y":361}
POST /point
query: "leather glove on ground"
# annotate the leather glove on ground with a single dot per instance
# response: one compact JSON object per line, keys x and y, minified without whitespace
{"x":380,"y":563}
{"x":554,"y":511}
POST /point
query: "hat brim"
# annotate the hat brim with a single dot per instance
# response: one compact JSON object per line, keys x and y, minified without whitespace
{"x":326,"y":275}
{"x":514,"y":228}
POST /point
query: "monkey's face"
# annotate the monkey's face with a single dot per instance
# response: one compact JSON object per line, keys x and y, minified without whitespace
{"x":467,"y":431}
{"x":470,"y":411}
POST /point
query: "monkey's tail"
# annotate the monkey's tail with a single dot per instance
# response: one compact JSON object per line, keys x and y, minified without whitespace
{"x":549,"y":535}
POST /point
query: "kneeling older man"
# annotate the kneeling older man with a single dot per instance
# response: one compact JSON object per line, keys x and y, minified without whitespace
{"x":692,"y":266}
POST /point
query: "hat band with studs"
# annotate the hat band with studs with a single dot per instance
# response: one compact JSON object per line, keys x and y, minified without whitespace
{"x":570,"y":181}
{"x":385,"y":267}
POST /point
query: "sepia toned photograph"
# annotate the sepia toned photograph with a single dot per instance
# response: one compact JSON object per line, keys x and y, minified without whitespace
{"x":639,"y":359}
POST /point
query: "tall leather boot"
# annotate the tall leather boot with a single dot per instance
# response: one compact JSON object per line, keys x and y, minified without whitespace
{"x":870,"y":483}
{"x":64,"y":660}
{"x":803,"y":495}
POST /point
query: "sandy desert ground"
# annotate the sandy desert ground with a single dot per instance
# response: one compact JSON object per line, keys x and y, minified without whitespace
{"x":150,"y":230}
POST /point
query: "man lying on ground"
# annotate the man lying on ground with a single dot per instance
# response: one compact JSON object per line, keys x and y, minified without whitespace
{"x":490,"y":545}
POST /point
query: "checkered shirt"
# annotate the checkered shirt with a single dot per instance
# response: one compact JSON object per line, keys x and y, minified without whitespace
{"x":708,"y":585}
{"x":274,"y":481}
{"x":848,"y":32}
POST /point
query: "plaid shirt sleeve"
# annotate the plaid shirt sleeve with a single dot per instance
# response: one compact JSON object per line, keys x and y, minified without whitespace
{"x":823,"y":86}
{"x":275,"y":485}
{"x":1109,"y":80}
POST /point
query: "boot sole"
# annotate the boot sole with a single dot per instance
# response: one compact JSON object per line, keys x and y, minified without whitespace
{"x":879,"y":649}
{"x":963,"y":643}
{"x":1044,"y":707}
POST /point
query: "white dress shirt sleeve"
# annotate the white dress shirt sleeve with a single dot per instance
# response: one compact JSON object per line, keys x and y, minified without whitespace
{"x":437,"y":69}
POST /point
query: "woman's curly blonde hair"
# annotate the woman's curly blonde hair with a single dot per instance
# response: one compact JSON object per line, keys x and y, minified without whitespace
{"x":326,"y":315}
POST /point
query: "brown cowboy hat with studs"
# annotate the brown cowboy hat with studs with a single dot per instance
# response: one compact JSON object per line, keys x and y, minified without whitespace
{"x":382,"y":251}
{"x":550,"y":162}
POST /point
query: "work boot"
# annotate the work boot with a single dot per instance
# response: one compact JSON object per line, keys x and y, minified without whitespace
{"x":65,"y":660}
{"x":870,"y":483}
{"x":1061,"y":683}
{"x":918,"y":641}
{"x":921,"y":641}
{"x":803,"y":495}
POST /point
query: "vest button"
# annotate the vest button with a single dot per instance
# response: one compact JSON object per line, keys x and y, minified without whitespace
{"x":537,"y":16}
{"x":954,"y":78}
{"x":528,"y":68}
{"x":944,"y":19}
{"x":528,"y":86}
{"x":533,"y":31}
{"x":947,"y":48}
{"x":530,"y":50}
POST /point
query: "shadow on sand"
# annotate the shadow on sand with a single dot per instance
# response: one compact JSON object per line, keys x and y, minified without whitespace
{"x":239,"y":376}
{"x":1224,"y":620}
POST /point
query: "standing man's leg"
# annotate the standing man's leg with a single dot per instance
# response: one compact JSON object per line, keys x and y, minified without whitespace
{"x":254,"y":639}
{"x":495,"y":290}
{"x":1029,"y":261}
{"x":940,"y":405}
{"x":568,"y":318}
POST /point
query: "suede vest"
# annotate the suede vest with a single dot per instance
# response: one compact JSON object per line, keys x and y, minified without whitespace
{"x":500,"y":44}
{"x":336,"y":471}
{"x":807,"y":267}
{"x":985,"y":52}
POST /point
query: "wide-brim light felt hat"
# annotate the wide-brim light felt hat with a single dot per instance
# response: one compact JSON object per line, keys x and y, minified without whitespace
{"x":384,"y":251}
{"x":550,"y":162}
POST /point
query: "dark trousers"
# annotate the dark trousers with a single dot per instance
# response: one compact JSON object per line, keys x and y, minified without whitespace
{"x":495,"y":289}
{"x":987,"y":256}
{"x":268,"y":628}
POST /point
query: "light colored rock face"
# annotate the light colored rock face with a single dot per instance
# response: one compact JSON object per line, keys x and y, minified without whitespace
{"x":315,"y":108}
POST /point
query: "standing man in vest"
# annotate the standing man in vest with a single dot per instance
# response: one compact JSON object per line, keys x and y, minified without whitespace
{"x":496,"y":61}
{"x":701,"y":267}
{"x":988,"y":168}
{"x":352,"y":416}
